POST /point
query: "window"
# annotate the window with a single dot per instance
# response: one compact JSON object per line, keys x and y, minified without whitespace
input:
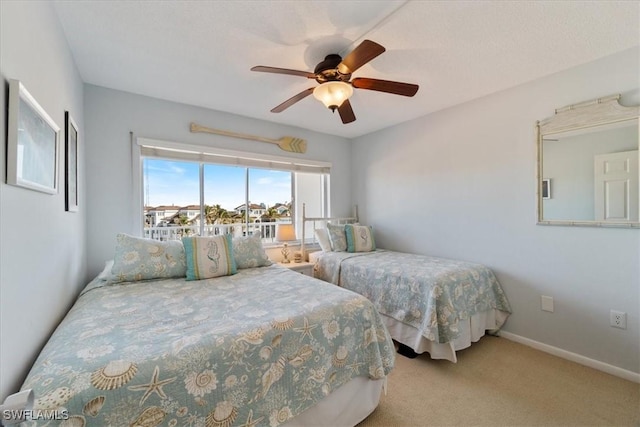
{"x":192,"y":190}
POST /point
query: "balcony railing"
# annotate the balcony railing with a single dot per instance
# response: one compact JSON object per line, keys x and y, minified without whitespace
{"x":266,"y":229}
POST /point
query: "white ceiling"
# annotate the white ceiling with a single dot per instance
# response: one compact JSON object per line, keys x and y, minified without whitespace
{"x":201,"y":52}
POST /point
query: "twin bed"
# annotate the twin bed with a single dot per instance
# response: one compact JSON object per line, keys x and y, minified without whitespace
{"x":263,"y":347}
{"x":428,"y":304}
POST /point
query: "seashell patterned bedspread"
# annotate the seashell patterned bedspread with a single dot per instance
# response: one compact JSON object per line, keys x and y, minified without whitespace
{"x":256,"y":348}
{"x":431,"y":294}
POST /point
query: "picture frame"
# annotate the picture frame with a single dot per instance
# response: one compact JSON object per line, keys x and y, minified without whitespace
{"x":33,"y":141}
{"x":71,"y":164}
{"x":546,"y":188}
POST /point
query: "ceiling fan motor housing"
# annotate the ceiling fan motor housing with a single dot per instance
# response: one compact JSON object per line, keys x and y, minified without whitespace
{"x":327,"y":70}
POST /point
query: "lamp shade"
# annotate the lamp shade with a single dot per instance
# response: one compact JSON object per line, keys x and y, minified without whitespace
{"x":333,"y":94}
{"x":285,"y":232}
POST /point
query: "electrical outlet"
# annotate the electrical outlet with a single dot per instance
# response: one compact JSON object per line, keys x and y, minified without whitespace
{"x":618,"y":319}
{"x":546,"y":303}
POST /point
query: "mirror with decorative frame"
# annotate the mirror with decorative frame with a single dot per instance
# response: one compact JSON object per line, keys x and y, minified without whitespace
{"x":588,"y":165}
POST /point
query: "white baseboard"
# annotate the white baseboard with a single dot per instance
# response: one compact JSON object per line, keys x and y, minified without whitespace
{"x":574,"y":357}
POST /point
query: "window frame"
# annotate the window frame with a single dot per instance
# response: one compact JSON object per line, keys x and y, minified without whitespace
{"x":176,"y":151}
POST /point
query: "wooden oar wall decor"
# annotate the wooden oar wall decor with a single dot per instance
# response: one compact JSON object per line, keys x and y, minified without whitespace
{"x":286,"y":143}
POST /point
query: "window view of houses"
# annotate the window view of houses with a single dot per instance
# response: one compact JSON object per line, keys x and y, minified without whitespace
{"x":168,"y":222}
{"x":167,"y":181}
{"x":171,"y":216}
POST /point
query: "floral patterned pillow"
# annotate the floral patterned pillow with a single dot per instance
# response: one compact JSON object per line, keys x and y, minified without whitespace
{"x":209,"y":257}
{"x":359,"y":238}
{"x":249,"y":253}
{"x":143,"y":259}
{"x":338,"y":237}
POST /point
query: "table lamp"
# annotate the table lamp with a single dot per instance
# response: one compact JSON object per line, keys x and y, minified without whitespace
{"x":285,"y":233}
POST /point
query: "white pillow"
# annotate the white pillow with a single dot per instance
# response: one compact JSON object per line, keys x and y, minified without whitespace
{"x":106,"y":272}
{"x":322,"y":236}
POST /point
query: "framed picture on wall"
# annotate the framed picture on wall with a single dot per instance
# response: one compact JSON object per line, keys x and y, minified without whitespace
{"x":32,"y":143}
{"x":71,"y":164}
{"x":546,"y":188}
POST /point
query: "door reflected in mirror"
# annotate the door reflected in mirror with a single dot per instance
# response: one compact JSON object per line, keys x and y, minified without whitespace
{"x":594,"y":173}
{"x":588,"y":165}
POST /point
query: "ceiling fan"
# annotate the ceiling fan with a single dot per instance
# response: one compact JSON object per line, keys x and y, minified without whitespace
{"x":336,"y":86}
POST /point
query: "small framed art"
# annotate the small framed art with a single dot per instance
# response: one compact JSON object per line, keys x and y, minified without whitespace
{"x":32,"y":143}
{"x":71,"y":164}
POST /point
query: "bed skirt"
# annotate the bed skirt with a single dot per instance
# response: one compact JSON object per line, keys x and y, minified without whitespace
{"x":471,"y":330}
{"x":344,"y":407}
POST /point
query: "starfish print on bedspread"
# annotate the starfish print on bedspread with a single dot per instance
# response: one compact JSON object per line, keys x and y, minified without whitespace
{"x":306,"y":329}
{"x":154,"y":386}
{"x":250,"y":421}
{"x":355,"y":367}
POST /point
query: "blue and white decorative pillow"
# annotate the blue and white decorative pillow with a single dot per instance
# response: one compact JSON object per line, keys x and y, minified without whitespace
{"x":248,"y":252}
{"x":209,"y":257}
{"x":359,"y":238}
{"x":144,"y":259}
{"x":337,"y":237}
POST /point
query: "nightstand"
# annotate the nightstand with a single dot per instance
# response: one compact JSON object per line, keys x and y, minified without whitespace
{"x":305,"y":268}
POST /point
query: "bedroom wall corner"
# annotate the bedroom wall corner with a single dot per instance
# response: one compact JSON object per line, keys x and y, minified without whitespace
{"x":42,"y":247}
{"x":461,"y":183}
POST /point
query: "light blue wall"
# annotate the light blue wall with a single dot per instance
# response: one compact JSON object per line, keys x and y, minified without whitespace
{"x":111,"y":115}
{"x":42,"y":247}
{"x":461,"y":183}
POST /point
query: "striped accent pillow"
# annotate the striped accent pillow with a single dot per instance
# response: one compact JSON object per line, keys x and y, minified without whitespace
{"x":359,"y":238}
{"x":209,"y":257}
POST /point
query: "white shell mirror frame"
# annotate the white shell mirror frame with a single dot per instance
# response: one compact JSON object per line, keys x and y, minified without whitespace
{"x":587,"y":172}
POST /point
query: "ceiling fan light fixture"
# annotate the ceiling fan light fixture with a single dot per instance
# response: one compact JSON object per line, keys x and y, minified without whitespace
{"x":333,"y":94}
{"x":335,"y":83}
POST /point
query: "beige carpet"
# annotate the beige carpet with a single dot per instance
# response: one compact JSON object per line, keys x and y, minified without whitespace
{"x":497,"y":382}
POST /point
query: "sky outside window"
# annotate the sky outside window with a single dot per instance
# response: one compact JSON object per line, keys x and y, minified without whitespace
{"x":169,"y":182}
{"x":177,"y":183}
{"x":269,"y":187}
{"x":224,"y":186}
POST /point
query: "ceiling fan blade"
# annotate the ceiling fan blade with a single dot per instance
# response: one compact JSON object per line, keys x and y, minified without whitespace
{"x":289,"y":102}
{"x":275,"y":70}
{"x":346,"y":112}
{"x":365,"y":52}
{"x":396,"y":88}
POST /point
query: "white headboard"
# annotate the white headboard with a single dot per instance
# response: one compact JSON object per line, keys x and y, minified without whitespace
{"x":323,"y":221}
